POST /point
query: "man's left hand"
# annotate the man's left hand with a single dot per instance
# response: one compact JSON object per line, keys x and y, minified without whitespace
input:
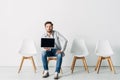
{"x":59,"y":52}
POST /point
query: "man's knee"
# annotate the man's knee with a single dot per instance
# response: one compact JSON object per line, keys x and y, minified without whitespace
{"x":59,"y":55}
{"x":44,"y":53}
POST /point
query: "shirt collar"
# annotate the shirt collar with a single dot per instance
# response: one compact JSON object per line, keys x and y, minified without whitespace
{"x":46,"y":35}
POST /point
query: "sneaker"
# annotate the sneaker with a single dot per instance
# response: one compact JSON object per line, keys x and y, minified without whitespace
{"x":56,"y":75}
{"x":46,"y":74}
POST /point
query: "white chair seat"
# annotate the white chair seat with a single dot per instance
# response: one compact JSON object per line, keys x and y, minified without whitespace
{"x":103,"y":55}
{"x":27,"y":55}
{"x":80,"y":55}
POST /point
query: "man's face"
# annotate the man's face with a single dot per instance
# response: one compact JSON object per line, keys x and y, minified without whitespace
{"x":49,"y":28}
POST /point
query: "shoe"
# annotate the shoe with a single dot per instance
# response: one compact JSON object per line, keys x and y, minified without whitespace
{"x":56,"y":75}
{"x":46,"y":74}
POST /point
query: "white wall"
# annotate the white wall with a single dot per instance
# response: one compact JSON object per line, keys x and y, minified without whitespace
{"x":88,"y":19}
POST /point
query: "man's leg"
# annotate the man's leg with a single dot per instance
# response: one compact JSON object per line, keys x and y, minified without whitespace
{"x":45,"y":54}
{"x":59,"y":62}
{"x":59,"y":59}
{"x":44,"y":60}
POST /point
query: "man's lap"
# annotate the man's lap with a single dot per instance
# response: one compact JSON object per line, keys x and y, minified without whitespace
{"x":51,"y":53}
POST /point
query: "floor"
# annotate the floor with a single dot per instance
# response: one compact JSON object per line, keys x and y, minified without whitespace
{"x":27,"y":73}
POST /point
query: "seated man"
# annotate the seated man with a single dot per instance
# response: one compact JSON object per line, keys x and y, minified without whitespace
{"x":57,"y":51}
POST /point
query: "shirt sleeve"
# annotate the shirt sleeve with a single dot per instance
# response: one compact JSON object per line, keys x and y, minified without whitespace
{"x":63,"y":40}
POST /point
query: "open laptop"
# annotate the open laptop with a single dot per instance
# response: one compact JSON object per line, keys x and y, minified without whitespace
{"x":47,"y":42}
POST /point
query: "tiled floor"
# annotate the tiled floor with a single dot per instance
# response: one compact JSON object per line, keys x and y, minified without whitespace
{"x":27,"y":73}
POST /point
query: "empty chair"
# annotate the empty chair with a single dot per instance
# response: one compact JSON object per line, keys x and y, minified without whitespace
{"x":104,"y":51}
{"x":80,"y":51}
{"x":28,"y":50}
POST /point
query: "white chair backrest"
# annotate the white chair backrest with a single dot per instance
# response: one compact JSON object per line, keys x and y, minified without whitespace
{"x":79,"y":47}
{"x":28,"y":47}
{"x":103,"y":47}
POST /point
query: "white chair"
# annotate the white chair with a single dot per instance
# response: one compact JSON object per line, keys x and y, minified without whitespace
{"x":103,"y":51}
{"x":80,"y":51}
{"x":28,"y":50}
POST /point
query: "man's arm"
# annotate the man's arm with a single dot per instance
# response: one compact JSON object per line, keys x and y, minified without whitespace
{"x":63,"y":40}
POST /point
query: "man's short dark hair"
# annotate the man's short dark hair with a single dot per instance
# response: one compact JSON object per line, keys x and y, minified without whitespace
{"x":48,"y":22}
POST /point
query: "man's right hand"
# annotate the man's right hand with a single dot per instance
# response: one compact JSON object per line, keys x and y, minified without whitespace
{"x":47,"y":49}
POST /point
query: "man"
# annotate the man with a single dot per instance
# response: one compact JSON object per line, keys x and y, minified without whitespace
{"x":57,"y":51}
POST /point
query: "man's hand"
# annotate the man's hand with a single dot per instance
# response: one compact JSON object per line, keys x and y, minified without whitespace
{"x":47,"y":49}
{"x":59,"y":52}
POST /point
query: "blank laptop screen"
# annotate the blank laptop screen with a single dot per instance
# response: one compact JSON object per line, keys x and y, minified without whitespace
{"x":47,"y":42}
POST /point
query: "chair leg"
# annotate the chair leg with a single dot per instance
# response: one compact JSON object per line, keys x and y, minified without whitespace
{"x":73,"y":64}
{"x":112,"y":65}
{"x":48,"y":60}
{"x":21,"y":64}
{"x":109,"y":64}
{"x":43,"y":72}
{"x":86,"y":64}
{"x":61,"y":71}
{"x":33,"y":64}
{"x":99,"y":65}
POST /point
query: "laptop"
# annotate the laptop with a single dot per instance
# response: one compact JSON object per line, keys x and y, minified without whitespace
{"x":47,"y":42}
